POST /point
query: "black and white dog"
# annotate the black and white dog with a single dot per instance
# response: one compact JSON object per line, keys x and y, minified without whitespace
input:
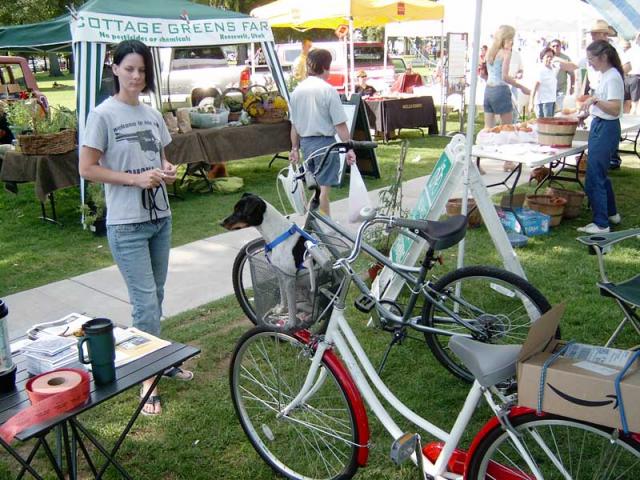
{"x":284,"y":245}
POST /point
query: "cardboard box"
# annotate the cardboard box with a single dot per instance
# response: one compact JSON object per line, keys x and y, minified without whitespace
{"x":573,"y":387}
{"x":535,"y":223}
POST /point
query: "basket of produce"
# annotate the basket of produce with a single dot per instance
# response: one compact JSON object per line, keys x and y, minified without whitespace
{"x":48,"y":143}
{"x":265,"y":106}
{"x":556,"y":132}
{"x":52,"y":133}
{"x":549,"y":205}
{"x":574,"y":198}
{"x":233,"y":100}
{"x":454,"y":207}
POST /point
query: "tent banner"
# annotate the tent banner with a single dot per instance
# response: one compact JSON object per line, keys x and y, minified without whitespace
{"x":159,"y":32}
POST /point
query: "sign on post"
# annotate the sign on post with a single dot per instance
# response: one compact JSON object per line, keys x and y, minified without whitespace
{"x":446,"y":177}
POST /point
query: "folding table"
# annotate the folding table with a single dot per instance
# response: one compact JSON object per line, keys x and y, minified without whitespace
{"x":73,"y":433}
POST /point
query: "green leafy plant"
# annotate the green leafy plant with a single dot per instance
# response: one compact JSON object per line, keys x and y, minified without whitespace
{"x":95,"y":207}
{"x":27,"y":116}
{"x":389,"y":203}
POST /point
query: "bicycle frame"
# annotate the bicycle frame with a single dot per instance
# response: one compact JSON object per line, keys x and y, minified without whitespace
{"x":340,"y":336}
{"x":414,"y":277}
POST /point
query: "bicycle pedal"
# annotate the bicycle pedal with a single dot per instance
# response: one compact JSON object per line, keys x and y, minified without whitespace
{"x":364,"y":303}
{"x":402,"y":448}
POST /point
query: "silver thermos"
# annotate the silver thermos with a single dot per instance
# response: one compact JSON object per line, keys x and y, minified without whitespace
{"x":7,"y":367}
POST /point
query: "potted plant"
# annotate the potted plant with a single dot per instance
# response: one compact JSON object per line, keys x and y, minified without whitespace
{"x":39,"y":132}
{"x":94,"y":211}
{"x":389,"y":203}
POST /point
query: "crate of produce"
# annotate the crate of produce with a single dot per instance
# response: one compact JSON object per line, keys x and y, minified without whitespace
{"x":535,"y":223}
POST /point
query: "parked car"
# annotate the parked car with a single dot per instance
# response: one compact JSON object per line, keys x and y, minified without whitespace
{"x":368,"y":56}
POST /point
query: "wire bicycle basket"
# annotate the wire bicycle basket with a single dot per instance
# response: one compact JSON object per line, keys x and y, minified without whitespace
{"x":291,"y":302}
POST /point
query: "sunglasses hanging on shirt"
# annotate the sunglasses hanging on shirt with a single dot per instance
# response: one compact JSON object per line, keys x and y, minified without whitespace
{"x":150,"y":200}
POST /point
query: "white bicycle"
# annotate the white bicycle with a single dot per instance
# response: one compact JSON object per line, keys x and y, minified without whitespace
{"x":300,"y":400}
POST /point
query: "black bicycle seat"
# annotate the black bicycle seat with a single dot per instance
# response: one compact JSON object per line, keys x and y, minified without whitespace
{"x":439,"y":235}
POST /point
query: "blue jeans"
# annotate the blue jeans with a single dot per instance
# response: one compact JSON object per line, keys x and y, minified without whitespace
{"x":604,"y":138}
{"x":141,"y":251}
{"x":329,"y":175}
{"x":545,"y":110}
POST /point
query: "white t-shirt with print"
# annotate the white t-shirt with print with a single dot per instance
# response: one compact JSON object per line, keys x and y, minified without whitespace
{"x":131,"y":139}
{"x":316,"y":108}
{"x":548,"y":78}
{"x":611,"y":87}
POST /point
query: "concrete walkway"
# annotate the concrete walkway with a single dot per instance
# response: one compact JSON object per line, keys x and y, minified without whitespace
{"x":199,"y":273}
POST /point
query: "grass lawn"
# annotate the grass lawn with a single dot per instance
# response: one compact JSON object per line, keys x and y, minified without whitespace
{"x":198,"y":435}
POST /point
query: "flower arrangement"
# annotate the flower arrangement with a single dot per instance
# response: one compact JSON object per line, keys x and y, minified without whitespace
{"x":267,"y":107}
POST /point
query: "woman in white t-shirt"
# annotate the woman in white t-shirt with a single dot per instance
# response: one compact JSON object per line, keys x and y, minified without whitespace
{"x":543,"y":95}
{"x":123,"y":147}
{"x":605,"y":107}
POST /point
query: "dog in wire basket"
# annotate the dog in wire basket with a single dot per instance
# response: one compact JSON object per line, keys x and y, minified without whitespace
{"x":284,"y":280}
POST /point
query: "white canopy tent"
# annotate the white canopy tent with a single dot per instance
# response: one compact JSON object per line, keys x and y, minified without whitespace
{"x":565,"y":18}
{"x":157,"y":23}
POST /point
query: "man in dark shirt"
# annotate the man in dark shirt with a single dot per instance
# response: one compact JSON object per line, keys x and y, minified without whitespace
{"x":362,"y":87}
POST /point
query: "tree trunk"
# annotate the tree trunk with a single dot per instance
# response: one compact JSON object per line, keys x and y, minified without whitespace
{"x":54,"y":65}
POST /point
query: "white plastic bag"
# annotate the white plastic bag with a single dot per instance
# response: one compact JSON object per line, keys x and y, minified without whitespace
{"x":358,"y":196}
{"x":294,"y":189}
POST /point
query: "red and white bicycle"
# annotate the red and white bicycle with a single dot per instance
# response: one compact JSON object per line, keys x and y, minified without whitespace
{"x":301,"y":402}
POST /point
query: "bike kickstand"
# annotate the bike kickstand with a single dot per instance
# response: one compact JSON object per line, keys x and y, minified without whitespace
{"x":398,"y":336}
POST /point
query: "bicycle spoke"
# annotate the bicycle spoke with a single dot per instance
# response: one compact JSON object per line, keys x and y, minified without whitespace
{"x":316,"y":439}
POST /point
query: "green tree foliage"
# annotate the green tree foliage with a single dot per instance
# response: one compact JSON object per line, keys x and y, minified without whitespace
{"x":31,"y":11}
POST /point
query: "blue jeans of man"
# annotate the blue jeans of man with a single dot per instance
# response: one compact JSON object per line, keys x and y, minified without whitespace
{"x":141,"y":251}
{"x":604,"y":138}
{"x":545,"y":110}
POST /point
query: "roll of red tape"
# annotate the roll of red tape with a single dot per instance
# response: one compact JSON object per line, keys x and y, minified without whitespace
{"x":51,"y":394}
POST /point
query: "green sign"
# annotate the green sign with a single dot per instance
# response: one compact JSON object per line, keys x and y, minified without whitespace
{"x":432,"y":189}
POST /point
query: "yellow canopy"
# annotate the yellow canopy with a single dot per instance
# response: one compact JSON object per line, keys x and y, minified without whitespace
{"x":305,"y":14}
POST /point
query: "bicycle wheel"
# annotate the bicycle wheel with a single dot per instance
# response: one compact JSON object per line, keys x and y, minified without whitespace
{"x":317,"y":440}
{"x":582,"y":450}
{"x":241,"y":277}
{"x":500,"y":304}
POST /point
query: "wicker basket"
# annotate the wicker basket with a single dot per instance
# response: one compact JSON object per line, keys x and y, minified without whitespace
{"x":48,"y":143}
{"x":556,"y":132}
{"x":549,"y":205}
{"x":233,"y":116}
{"x":272,"y":116}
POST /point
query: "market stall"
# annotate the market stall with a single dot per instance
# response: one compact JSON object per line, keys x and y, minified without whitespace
{"x":303,"y":15}
{"x":158,"y":23}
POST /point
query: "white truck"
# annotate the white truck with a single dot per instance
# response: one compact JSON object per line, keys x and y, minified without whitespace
{"x":189,"y":74}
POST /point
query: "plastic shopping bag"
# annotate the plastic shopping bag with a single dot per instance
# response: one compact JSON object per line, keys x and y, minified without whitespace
{"x":358,"y":196}
{"x":294,"y":189}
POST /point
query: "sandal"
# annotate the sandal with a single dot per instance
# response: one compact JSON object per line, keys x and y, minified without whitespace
{"x":155,"y":401}
{"x":178,"y":373}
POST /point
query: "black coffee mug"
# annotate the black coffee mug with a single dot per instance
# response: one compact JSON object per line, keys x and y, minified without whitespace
{"x":98,"y":333}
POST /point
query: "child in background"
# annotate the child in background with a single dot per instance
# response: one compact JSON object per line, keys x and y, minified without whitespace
{"x":547,"y":83}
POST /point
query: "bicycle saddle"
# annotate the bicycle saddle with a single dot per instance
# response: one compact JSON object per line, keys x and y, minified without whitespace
{"x":489,"y":364}
{"x":440,"y":235}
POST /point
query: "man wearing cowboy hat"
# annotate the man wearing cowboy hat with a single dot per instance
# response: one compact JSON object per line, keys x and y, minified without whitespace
{"x":600,"y":30}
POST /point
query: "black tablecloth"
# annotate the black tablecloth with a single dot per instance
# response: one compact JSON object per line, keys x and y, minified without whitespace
{"x":49,"y":172}
{"x":216,"y":145}
{"x":389,"y":114}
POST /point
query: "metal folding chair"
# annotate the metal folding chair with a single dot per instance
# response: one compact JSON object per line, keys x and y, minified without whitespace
{"x":626,"y":293}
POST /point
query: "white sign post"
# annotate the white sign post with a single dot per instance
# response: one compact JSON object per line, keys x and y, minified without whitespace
{"x":447,"y":175}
